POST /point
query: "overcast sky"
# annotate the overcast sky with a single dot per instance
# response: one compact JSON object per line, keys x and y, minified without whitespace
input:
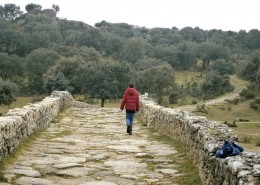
{"x":227,"y":15}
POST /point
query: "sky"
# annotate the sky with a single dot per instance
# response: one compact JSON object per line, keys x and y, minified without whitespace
{"x":226,"y":15}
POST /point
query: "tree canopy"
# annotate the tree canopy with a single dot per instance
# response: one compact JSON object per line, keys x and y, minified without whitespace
{"x":40,"y":52}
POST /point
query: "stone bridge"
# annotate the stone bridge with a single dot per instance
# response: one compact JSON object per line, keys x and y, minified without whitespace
{"x":84,"y":145}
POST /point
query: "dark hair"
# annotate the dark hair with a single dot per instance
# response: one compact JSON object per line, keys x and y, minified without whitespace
{"x":131,"y":84}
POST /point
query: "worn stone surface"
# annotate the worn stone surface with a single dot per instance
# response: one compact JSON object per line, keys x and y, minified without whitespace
{"x":90,"y":146}
{"x":33,"y":181}
{"x":98,"y":183}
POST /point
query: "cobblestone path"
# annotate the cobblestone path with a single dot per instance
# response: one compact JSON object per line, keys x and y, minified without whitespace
{"x":89,"y":146}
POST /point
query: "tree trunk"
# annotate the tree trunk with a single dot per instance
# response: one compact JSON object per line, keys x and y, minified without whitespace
{"x":103,"y":102}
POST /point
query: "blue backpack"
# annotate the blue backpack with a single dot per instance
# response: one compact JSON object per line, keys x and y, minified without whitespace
{"x":229,"y":148}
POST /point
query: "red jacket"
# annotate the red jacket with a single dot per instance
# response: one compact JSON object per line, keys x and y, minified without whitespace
{"x":130,"y":100}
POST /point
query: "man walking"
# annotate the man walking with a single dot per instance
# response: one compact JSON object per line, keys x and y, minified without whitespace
{"x":131,"y":103}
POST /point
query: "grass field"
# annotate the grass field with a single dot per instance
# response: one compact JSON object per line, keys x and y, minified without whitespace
{"x":186,"y":76}
{"x":249,"y":136}
{"x":229,"y":112}
{"x":19,"y":103}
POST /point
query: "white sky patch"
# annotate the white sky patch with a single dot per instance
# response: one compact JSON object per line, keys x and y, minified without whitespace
{"x":227,"y":15}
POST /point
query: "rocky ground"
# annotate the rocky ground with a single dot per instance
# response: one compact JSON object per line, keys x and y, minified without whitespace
{"x":89,"y":146}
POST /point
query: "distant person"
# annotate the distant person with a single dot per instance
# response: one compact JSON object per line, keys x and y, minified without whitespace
{"x":131,"y":103}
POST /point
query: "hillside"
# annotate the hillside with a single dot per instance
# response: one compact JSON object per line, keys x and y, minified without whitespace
{"x":40,"y":53}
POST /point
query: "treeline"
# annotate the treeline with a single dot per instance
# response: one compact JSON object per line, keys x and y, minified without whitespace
{"x":40,"y":53}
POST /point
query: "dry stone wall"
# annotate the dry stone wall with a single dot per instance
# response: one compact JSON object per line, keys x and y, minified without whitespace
{"x":202,"y":137}
{"x":19,"y":123}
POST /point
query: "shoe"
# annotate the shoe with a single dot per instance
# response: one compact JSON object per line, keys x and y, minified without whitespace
{"x":130,"y":133}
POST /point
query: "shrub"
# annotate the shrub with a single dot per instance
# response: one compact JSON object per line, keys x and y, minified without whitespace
{"x":215,"y":85}
{"x":255,"y":104}
{"x":7,"y":92}
{"x":58,"y":82}
{"x":201,"y":108}
{"x":248,"y":93}
{"x":257,"y":143}
{"x":173,"y":98}
{"x":194,"y":102}
{"x":233,"y":124}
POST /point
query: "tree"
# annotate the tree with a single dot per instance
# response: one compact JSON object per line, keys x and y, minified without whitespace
{"x":91,"y":38}
{"x":10,"y":11}
{"x":42,"y":35}
{"x":69,"y":67}
{"x":166,"y":53}
{"x":250,"y":68}
{"x":56,"y":8}
{"x":194,"y":35}
{"x":157,"y":80}
{"x":121,"y":29}
{"x":252,"y":40}
{"x":30,"y":8}
{"x":7,"y":92}
{"x":88,"y":54}
{"x":134,"y":49}
{"x":105,"y":79}
{"x":209,"y":51}
{"x":215,"y":85}
{"x":147,"y":63}
{"x":185,"y":56}
{"x":58,"y":83}
{"x":111,"y":44}
{"x":2,"y":10}
{"x":36,"y":64}
{"x":12,"y":42}
{"x":222,"y":67}
{"x":72,"y":37}
{"x":10,"y":67}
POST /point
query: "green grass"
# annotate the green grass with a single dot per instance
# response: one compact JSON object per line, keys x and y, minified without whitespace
{"x":185,"y":165}
{"x":229,"y":112}
{"x":19,"y":103}
{"x":187,"y":76}
{"x":239,"y":84}
{"x":248,"y":133}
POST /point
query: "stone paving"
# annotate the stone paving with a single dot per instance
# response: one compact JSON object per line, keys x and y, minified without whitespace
{"x":89,"y":146}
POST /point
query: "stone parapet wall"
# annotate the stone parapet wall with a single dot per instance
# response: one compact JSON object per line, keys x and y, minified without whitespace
{"x":202,"y":137}
{"x":19,"y":123}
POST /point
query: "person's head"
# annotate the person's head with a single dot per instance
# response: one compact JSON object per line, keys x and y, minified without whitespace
{"x":131,"y":84}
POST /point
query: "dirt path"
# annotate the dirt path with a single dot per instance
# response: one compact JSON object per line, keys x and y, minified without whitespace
{"x":89,"y":146}
{"x":237,"y":83}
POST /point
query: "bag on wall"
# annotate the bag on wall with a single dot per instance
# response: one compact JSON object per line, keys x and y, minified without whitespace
{"x":229,"y":148}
